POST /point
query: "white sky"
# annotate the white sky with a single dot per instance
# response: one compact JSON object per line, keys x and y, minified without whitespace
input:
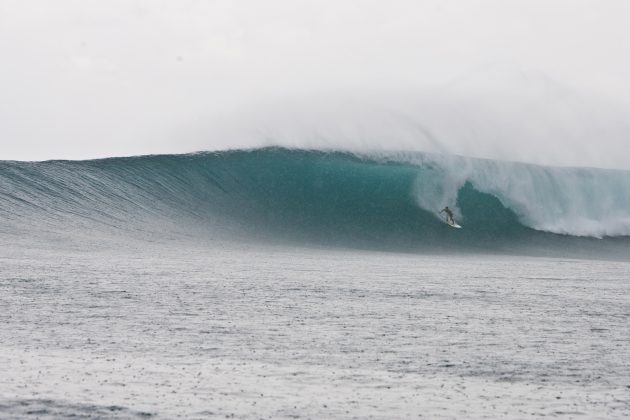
{"x":88,"y":78}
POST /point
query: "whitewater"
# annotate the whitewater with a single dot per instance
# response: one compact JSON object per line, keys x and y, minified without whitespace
{"x":313,"y":283}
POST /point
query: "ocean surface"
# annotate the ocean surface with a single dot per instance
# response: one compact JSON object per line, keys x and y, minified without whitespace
{"x":279,"y":283}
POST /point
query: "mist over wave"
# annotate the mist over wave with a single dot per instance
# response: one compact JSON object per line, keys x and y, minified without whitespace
{"x":381,"y":201}
{"x":496,"y":112}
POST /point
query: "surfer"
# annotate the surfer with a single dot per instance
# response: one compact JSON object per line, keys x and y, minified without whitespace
{"x":449,"y":215}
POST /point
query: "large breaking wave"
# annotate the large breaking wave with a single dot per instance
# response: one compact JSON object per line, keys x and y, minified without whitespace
{"x":322,"y":197}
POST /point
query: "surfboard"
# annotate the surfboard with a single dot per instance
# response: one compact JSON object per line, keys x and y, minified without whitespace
{"x":454,"y":224}
{"x":445,"y":220}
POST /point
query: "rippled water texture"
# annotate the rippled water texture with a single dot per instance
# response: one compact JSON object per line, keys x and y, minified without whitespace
{"x":152,"y":331}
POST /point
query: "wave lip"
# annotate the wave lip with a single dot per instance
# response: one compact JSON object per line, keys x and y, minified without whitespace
{"x":326,"y":197}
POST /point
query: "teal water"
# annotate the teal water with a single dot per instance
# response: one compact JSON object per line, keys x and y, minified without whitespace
{"x":387,"y":202}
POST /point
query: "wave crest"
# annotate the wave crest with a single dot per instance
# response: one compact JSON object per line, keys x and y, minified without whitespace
{"x":323,"y":197}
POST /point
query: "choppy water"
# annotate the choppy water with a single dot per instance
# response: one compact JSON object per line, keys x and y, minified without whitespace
{"x":233,"y":331}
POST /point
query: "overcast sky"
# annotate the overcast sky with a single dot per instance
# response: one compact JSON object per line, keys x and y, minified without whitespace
{"x":88,"y":78}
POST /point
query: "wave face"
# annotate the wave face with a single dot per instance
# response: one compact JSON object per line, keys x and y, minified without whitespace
{"x":338,"y":198}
